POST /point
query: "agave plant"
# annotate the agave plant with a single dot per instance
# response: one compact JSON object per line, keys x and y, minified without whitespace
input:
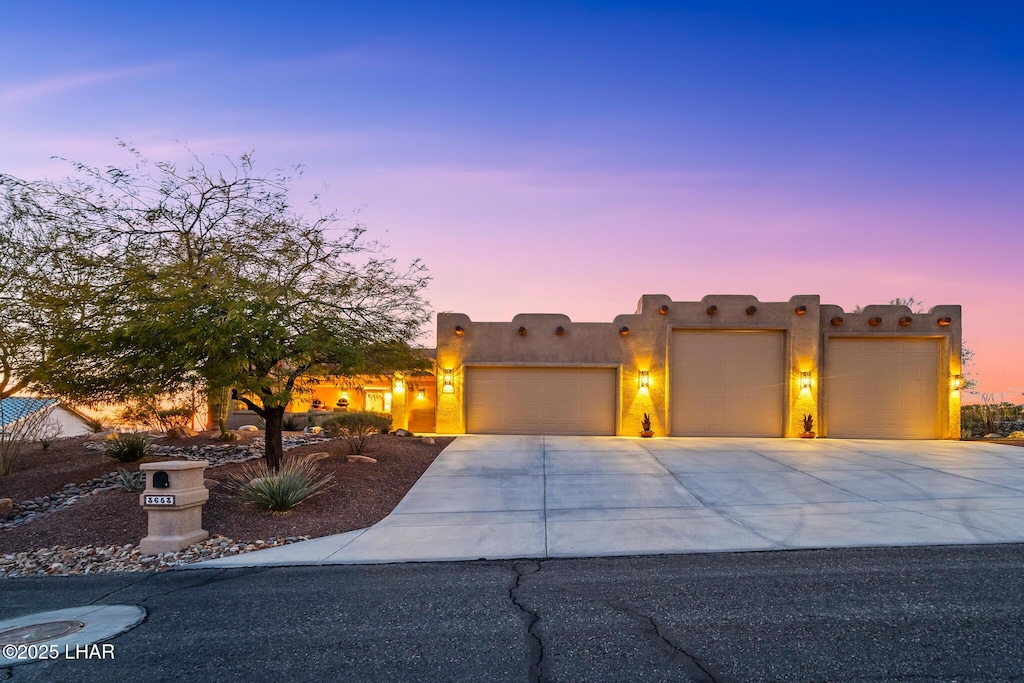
{"x":646,"y":423}
{"x":808,"y":423}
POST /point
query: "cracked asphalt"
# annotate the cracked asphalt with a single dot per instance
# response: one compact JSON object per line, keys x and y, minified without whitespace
{"x":951,"y":613}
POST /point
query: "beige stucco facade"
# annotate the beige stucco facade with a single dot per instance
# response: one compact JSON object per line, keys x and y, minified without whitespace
{"x":642,"y":350}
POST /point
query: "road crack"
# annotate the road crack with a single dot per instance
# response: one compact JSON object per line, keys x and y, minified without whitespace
{"x":695,"y":668}
{"x":535,"y":644}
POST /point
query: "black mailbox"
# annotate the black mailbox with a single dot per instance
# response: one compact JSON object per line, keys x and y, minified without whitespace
{"x":160,"y":480}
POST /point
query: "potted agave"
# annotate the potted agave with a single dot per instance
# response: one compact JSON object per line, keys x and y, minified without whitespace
{"x":808,"y":427}
{"x":646,"y":424}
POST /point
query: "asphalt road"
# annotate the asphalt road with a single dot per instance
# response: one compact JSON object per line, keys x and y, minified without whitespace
{"x":896,"y":614}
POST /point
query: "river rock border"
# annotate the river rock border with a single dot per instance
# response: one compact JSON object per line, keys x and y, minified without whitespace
{"x":62,"y":561}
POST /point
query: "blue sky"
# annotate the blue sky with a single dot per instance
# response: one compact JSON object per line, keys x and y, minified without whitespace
{"x":570,"y":157}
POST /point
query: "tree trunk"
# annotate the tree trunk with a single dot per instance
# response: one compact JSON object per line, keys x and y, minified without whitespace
{"x":274,"y":446}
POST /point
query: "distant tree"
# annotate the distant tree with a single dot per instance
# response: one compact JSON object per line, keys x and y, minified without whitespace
{"x":195,"y":277}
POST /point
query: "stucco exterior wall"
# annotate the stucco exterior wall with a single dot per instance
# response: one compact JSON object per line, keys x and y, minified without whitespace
{"x":641,"y":341}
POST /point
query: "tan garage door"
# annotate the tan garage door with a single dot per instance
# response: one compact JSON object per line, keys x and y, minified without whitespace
{"x":882,"y":388}
{"x":727,"y":383}
{"x":540,"y":401}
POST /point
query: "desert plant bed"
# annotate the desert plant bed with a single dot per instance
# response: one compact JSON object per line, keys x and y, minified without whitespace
{"x":361,"y":495}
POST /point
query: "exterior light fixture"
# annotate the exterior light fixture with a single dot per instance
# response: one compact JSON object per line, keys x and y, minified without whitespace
{"x":459,"y":331}
{"x":522,"y":331}
{"x":905,"y":321}
{"x":645,"y":379}
{"x":712,"y":310}
{"x":875,"y":322}
{"x":805,"y":381}
{"x":663,"y":310}
{"x":399,"y":386}
{"x":344,"y":395}
{"x":837,"y":321}
{"x":800,"y":310}
{"x":421,"y":394}
{"x":623,"y":331}
{"x":944,"y":322}
{"x":957,"y":382}
{"x":448,"y":381}
{"x":751,"y":310}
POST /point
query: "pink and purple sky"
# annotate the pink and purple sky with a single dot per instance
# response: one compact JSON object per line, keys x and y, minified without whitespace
{"x":568,"y":156}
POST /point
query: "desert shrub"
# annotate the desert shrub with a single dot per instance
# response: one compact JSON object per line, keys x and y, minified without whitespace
{"x":132,"y":482}
{"x":127,"y":447}
{"x":281,"y":490}
{"x":290,"y":424}
{"x":356,"y":428}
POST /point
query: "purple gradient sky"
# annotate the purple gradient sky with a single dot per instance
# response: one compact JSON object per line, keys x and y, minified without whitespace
{"x":569,"y":157}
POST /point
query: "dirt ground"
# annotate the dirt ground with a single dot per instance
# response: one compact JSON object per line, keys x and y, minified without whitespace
{"x":361,"y":495}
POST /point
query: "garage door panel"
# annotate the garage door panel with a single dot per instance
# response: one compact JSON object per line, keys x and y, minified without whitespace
{"x":727,"y":383}
{"x":540,"y":401}
{"x":882,"y":388}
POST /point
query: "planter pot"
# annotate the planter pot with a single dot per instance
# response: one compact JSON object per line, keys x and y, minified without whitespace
{"x":808,"y":435}
{"x":646,"y":435}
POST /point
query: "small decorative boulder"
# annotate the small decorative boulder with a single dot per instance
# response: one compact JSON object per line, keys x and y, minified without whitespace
{"x":321,"y":455}
{"x":402,"y":432}
{"x":361,"y":458}
{"x":428,"y":440}
{"x":210,"y":484}
{"x":6,"y":506}
{"x":180,"y":433}
{"x":248,"y":428}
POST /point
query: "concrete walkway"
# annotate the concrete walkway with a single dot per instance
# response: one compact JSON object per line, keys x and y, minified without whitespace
{"x":499,"y":497}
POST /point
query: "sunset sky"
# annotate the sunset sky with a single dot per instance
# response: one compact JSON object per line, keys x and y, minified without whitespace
{"x":570,"y":157}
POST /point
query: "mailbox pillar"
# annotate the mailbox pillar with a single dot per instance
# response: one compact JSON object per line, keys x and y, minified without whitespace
{"x":174,"y":499}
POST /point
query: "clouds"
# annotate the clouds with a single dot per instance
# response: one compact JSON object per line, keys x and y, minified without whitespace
{"x":53,"y":86}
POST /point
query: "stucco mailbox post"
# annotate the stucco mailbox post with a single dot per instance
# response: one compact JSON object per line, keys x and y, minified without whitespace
{"x":174,"y":498}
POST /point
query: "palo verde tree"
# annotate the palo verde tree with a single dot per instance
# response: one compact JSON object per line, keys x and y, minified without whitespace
{"x":210,"y":278}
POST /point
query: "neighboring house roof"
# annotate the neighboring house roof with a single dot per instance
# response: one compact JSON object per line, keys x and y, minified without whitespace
{"x":15,"y":408}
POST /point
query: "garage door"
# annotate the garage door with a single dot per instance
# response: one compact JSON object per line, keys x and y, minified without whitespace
{"x":882,"y":388}
{"x":727,"y":383}
{"x":540,"y":401}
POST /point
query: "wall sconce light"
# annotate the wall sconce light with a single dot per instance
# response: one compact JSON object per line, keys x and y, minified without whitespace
{"x":421,"y":394}
{"x":645,"y":379}
{"x":805,"y":381}
{"x":623,"y":331}
{"x":905,"y":321}
{"x":448,"y":381}
{"x":957,"y":382}
{"x":944,"y":322}
{"x":522,"y":331}
{"x":751,"y":310}
{"x":399,"y":386}
{"x":344,"y":395}
{"x":459,"y":331}
{"x":712,"y":310}
{"x":875,"y":322}
{"x":800,"y":310}
{"x":663,"y":310}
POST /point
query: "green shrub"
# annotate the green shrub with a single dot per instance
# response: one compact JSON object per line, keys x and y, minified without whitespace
{"x":282,"y":490}
{"x":132,"y":482}
{"x":290,"y":425}
{"x":127,"y":447}
{"x":356,"y":428}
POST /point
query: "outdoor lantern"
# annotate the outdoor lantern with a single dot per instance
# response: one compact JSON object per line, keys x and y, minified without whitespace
{"x":448,"y":381}
{"x":957,"y":381}
{"x":399,"y":386}
{"x":805,"y":381}
{"x":344,"y":395}
{"x":421,"y":394}
{"x":645,"y":379}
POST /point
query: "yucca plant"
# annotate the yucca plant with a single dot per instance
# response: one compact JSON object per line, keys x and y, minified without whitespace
{"x":132,"y":482}
{"x":282,"y":489}
{"x":127,"y":447}
{"x":646,"y":423}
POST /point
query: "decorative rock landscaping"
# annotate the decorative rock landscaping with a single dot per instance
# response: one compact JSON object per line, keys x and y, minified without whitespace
{"x":62,"y":561}
{"x":216,"y":454}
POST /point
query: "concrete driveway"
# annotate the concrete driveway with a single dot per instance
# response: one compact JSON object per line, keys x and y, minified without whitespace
{"x":533,"y":496}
